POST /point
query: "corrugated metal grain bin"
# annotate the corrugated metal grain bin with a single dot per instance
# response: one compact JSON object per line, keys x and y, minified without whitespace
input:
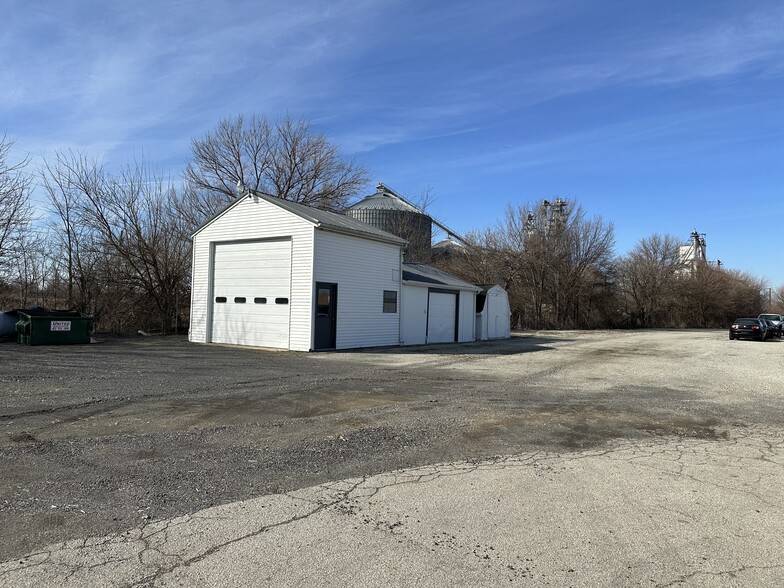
{"x":53,"y":327}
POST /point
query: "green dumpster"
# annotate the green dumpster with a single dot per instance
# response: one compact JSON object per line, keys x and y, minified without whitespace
{"x":53,"y":327}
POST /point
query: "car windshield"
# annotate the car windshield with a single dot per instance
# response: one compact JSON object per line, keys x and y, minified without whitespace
{"x":771,"y":317}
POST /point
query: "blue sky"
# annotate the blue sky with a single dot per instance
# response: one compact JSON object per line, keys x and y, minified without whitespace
{"x":661,"y":117}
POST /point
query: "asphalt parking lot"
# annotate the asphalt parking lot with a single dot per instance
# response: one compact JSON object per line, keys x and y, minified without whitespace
{"x":125,"y":434}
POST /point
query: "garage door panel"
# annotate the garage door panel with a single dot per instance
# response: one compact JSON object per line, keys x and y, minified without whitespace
{"x":260,"y":269}
{"x":441,"y":317}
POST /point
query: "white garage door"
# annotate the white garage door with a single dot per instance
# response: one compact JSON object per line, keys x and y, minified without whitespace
{"x":250,"y":293}
{"x":441,"y":317}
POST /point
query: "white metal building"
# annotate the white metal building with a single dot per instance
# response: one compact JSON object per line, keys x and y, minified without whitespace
{"x":437,"y":307}
{"x":272,"y":273}
{"x":492,"y":313}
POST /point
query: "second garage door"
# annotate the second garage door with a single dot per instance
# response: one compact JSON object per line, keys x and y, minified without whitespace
{"x":251,"y":286}
{"x":441,"y":317}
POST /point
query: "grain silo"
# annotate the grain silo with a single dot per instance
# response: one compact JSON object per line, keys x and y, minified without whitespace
{"x":390,"y":212}
{"x":447,"y":248}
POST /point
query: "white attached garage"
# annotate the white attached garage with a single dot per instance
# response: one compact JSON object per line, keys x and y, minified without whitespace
{"x":437,"y":307}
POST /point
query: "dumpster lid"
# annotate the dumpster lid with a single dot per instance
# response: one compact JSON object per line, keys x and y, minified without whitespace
{"x":33,"y":312}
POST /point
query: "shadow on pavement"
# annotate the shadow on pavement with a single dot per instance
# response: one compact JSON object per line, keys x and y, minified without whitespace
{"x":517,"y":344}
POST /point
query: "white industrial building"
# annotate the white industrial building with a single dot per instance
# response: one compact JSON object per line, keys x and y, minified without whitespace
{"x":272,"y":273}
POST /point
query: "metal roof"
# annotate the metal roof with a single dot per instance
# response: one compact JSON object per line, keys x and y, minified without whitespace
{"x":488,"y":287}
{"x":385,"y":199}
{"x":448,"y":242}
{"x":323,"y":219}
{"x":425,"y":274}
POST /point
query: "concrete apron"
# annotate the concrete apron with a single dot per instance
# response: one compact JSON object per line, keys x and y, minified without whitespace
{"x":659,"y":512}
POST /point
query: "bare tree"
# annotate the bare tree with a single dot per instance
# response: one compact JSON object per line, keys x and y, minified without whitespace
{"x":125,"y":247}
{"x":493,"y":256}
{"x":585,"y":257}
{"x":647,"y":279}
{"x":147,"y":240}
{"x":705,"y":296}
{"x":87,"y":274}
{"x":744,"y":296}
{"x":67,"y":181}
{"x":559,"y":256}
{"x":778,"y":299}
{"x":285,"y":158}
{"x":15,"y":211}
{"x":482,"y":260}
{"x":554,"y":261}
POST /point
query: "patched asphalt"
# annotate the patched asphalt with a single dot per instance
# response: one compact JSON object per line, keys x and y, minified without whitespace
{"x":581,"y":451}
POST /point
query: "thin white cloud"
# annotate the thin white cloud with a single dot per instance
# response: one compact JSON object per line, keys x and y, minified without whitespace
{"x":99,"y":75}
{"x":367,"y":140}
{"x":639,"y":139}
{"x":752,"y":43}
{"x":102,"y":74}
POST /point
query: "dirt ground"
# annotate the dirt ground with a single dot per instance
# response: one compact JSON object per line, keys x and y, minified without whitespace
{"x":100,"y":438}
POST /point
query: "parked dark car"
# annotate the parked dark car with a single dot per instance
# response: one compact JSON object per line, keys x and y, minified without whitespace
{"x":774,"y":330}
{"x":777,"y":320}
{"x":749,"y":328}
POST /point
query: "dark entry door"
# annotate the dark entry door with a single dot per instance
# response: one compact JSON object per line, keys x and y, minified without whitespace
{"x":326,"y":315}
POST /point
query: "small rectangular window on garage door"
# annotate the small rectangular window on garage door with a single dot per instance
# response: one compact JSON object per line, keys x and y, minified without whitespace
{"x":239,"y":299}
{"x":260,"y":301}
{"x":281,"y":301}
{"x":220,"y":299}
{"x":390,"y":301}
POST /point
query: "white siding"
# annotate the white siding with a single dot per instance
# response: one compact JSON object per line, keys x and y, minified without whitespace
{"x":362,"y":269}
{"x":414,"y":318}
{"x":253,"y":218}
{"x":467,"y":320}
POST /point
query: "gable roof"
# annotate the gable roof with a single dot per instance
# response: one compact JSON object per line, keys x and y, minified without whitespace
{"x":321,"y":219}
{"x":488,"y":287}
{"x":419,"y":273}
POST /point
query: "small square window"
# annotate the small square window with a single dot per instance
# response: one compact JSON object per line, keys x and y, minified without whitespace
{"x":390,"y":301}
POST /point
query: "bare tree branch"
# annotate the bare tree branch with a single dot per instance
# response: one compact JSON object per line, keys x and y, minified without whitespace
{"x":286,"y":159}
{"x":15,"y":213}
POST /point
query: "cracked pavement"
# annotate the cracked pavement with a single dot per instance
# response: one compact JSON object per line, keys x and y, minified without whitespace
{"x":594,"y":459}
{"x":663,"y":512}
